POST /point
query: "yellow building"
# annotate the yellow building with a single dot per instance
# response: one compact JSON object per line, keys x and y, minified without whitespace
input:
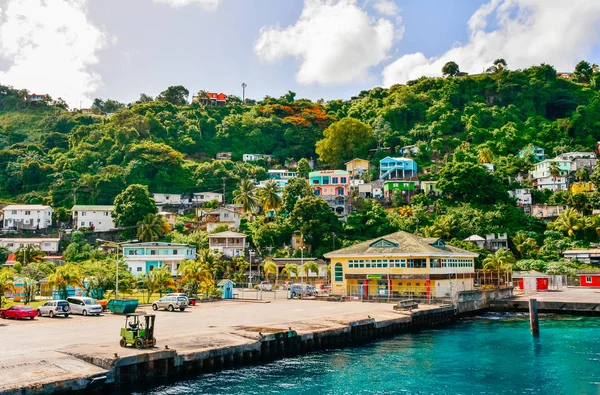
{"x":403,"y":263}
{"x":581,"y":187}
{"x":356,"y":167}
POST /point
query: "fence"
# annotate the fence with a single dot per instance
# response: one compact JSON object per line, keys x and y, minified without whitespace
{"x":492,"y":278}
{"x":433,"y":294}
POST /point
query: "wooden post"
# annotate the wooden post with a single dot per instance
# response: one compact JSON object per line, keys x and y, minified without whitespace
{"x":533,"y":317}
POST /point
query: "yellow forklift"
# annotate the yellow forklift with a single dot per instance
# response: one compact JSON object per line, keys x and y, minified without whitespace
{"x":138,"y":331}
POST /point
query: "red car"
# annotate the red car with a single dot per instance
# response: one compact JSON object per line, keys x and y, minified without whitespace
{"x":18,"y":312}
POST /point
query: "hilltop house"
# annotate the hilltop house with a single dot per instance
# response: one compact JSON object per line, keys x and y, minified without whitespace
{"x":97,"y":217}
{"x":255,"y":157}
{"x":49,"y":245}
{"x":228,"y":243}
{"x":170,"y":198}
{"x":333,"y":186}
{"x":356,"y":167}
{"x":401,"y":264}
{"x":219,"y":217}
{"x":223,"y":156}
{"x":27,"y":216}
{"x":213,"y":99}
{"x":35,"y":97}
{"x":143,"y":257}
{"x":203,"y":197}
{"x":397,"y":168}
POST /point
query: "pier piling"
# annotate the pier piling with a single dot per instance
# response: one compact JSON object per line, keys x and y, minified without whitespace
{"x":533,"y":317}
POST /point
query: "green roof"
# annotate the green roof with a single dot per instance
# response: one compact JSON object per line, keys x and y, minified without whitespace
{"x":401,"y":243}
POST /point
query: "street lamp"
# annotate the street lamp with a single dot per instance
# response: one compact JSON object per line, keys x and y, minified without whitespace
{"x":302,"y":270}
{"x":251,"y":252}
{"x":117,"y":263}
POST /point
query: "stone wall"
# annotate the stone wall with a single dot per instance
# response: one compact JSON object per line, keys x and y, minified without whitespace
{"x":469,"y":301}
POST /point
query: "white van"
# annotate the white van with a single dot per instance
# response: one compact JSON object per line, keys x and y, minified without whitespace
{"x":84,"y":306}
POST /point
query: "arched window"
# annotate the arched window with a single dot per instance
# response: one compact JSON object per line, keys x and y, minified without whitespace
{"x":338,"y":272}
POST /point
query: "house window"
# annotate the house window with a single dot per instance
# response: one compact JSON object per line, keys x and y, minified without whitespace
{"x":588,"y":280}
{"x":27,"y":212}
{"x":175,"y":252}
{"x":82,"y":223}
{"x":340,"y":191}
{"x":338,"y":272}
{"x":139,"y":269}
{"x":106,"y":213}
{"x":14,"y":212}
{"x":83,"y":213}
{"x":46,"y":244}
{"x":334,"y":180}
{"x":325,"y":180}
{"x":343,"y":180}
{"x":152,"y":252}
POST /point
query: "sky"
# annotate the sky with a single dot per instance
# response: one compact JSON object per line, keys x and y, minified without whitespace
{"x":332,"y":49}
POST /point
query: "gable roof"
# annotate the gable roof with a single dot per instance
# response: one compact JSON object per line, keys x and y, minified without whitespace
{"x":83,"y":207}
{"x":401,"y":243}
{"x":227,"y":233}
{"x":474,"y":238}
{"x":25,"y":207}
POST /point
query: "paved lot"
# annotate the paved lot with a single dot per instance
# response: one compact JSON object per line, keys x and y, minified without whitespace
{"x":46,"y":334}
{"x":580,"y":295}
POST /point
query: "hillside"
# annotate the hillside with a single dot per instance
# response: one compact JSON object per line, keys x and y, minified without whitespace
{"x":45,"y":149}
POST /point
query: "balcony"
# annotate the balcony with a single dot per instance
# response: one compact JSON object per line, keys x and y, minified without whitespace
{"x":158,"y":257}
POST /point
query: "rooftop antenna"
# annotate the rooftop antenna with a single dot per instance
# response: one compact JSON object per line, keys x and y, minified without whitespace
{"x":244,"y":85}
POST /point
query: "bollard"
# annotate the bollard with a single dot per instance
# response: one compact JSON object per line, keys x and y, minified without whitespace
{"x":533,"y":317}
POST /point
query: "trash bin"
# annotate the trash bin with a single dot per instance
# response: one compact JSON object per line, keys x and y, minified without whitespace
{"x":123,"y":306}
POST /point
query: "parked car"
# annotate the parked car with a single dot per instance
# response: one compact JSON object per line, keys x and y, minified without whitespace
{"x":84,"y":306}
{"x":304,"y":289}
{"x":171,"y":303}
{"x":17,"y":312}
{"x":54,"y":308}
{"x":265,"y":286}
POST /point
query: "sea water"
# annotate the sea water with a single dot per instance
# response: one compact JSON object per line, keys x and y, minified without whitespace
{"x":492,"y":354}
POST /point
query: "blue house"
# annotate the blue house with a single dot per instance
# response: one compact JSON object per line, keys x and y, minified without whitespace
{"x":143,"y":257}
{"x":226,"y":287}
{"x":397,"y":168}
{"x":538,"y":153}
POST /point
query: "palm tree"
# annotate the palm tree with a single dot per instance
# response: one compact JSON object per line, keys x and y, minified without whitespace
{"x":7,"y":284}
{"x":196,"y":274}
{"x":554,"y":171}
{"x":152,"y":228}
{"x":162,"y":278}
{"x":501,"y":260}
{"x":309,"y":266}
{"x":569,"y":221}
{"x":485,"y":155}
{"x":65,"y":276}
{"x":524,"y":244}
{"x":582,"y":175}
{"x":147,"y":281}
{"x":289,"y":269}
{"x":245,"y":195}
{"x":270,"y":267}
{"x":269,"y":197}
{"x":28,"y":253}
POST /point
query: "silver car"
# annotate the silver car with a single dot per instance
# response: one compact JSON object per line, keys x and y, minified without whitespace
{"x":84,"y":306}
{"x":171,"y":303}
{"x":54,"y":308}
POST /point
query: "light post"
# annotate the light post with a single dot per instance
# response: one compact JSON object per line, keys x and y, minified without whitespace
{"x":117,"y":263}
{"x":302,"y":270}
{"x":251,"y":252}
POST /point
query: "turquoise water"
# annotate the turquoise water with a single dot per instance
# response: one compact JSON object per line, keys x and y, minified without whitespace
{"x":494,"y":354}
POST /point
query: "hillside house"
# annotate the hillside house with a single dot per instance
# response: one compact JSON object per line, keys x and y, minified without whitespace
{"x":409,"y":150}
{"x":429,"y":188}
{"x":542,"y":179}
{"x":170,"y":198}
{"x":397,"y":168}
{"x":143,"y":257}
{"x":537,"y":152}
{"x":223,"y":156}
{"x":406,"y":188}
{"x":98,"y":218}
{"x":213,"y":99}
{"x":255,"y":157}
{"x":219,"y":217}
{"x":230,"y":244}
{"x":582,"y":187}
{"x":333,"y":186}
{"x":203,"y":197}
{"x":477,"y":240}
{"x":496,"y":242}
{"x":36,"y":98}
{"x":27,"y":216}
{"x":49,"y":245}
{"x":356,"y":167}
{"x":547,"y":212}
{"x":522,"y":195}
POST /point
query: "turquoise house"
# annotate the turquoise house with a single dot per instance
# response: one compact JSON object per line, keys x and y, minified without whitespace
{"x":397,"y":168}
{"x":143,"y":257}
{"x":226,"y":287}
{"x":538,"y":153}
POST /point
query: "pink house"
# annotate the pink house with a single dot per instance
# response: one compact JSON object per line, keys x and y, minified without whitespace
{"x":333,"y":186}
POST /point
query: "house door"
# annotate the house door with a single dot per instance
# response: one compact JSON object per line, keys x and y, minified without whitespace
{"x":363,"y":288}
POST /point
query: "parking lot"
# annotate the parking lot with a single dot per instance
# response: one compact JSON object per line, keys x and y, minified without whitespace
{"x":45,"y":334}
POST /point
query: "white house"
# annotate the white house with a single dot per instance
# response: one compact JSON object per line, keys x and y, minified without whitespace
{"x":169,"y":198}
{"x":218,"y":217}
{"x":203,"y":197}
{"x":228,"y":243}
{"x":143,"y":257}
{"x":27,"y":216}
{"x":255,"y":157}
{"x":97,"y":216}
{"x":477,"y":240}
{"x":409,"y":150}
{"x":523,"y":196}
{"x":49,"y":245}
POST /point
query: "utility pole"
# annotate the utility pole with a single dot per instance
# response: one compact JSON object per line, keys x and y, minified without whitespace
{"x":244,"y":85}
{"x":74,"y":196}
{"x":224,"y":198}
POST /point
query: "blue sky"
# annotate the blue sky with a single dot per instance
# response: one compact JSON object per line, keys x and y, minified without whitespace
{"x":318,"y":48}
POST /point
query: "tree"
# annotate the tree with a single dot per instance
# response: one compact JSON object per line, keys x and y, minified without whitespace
{"x":3,"y":255}
{"x":582,"y":175}
{"x":314,"y":219}
{"x":450,"y":69}
{"x":344,"y":140}
{"x":28,"y":253}
{"x":152,"y":228}
{"x":246,"y":196}
{"x":295,"y":189}
{"x":303,"y":168}
{"x":497,"y":66}
{"x":500,"y":260}
{"x":132,"y":205}
{"x":144,"y":98}
{"x":472,"y":183}
{"x":268,"y":196}
{"x":309,"y":266}
{"x":583,"y":72}
{"x":289,"y":269}
{"x":569,"y":222}
{"x":485,"y":155}
{"x":162,"y":278}
{"x":176,"y":95}
{"x":196,"y":275}
{"x":554,"y":171}
{"x":525,"y":245}
{"x":65,"y":276}
{"x":7,"y":284}
{"x":269,"y":267}
{"x":29,"y":289}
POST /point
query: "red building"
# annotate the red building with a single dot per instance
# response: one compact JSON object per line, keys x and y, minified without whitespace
{"x":531,"y":280}
{"x":589,"y":278}
{"x":213,"y":99}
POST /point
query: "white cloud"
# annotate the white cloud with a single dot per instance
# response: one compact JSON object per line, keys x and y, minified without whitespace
{"x":49,"y":47}
{"x":524,"y":32}
{"x":335,"y":41}
{"x":209,"y":5}
{"x":386,"y":7}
